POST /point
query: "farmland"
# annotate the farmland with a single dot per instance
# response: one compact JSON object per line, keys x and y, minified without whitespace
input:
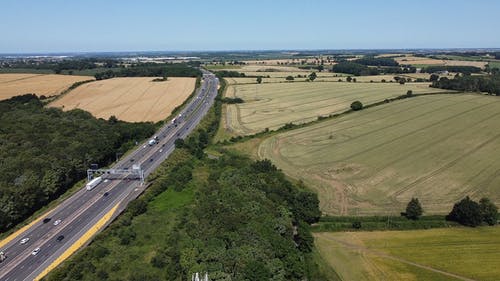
{"x":39,"y":84}
{"x":467,"y":253}
{"x":274,"y":104}
{"x":129,"y":99}
{"x":430,"y":61}
{"x":279,"y":77}
{"x":437,"y":148}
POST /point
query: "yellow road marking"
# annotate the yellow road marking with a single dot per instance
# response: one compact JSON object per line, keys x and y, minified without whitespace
{"x":22,"y":229}
{"x":79,"y":243}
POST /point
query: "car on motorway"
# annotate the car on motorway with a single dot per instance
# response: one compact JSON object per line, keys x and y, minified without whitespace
{"x":24,"y":240}
{"x":46,"y":220}
{"x":35,"y":251}
{"x":57,"y":222}
{"x":105,"y":194}
{"x":60,"y":238}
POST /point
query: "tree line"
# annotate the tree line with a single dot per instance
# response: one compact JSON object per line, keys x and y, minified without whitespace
{"x":358,"y":69}
{"x":451,"y":68}
{"x":45,"y":151}
{"x":68,"y":64}
{"x":370,"y":60}
{"x":468,"y":83}
{"x":152,"y":70}
{"x":466,"y":212}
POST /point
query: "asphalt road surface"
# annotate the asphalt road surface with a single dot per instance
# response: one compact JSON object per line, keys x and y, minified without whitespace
{"x":82,"y":210}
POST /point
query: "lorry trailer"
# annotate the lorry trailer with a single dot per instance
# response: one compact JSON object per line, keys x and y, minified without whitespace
{"x":93,"y":183}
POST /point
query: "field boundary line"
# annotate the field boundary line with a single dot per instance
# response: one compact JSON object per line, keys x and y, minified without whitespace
{"x":396,"y":258}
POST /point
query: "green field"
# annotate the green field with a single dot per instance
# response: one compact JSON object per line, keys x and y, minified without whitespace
{"x":437,"y":254}
{"x":493,"y":64}
{"x":438,"y":148}
{"x":275,"y":104}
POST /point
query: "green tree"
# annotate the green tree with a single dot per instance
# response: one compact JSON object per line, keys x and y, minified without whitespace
{"x":434,"y":77}
{"x":414,"y":209}
{"x":307,"y":207}
{"x":357,"y":105}
{"x":138,"y":206}
{"x":348,"y":79}
{"x":489,"y":212}
{"x":466,"y":212}
{"x":256,"y":270}
{"x":179,"y":143}
{"x":312,"y":76}
{"x":259,"y":79}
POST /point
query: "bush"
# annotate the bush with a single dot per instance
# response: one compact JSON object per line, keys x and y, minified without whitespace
{"x":357,"y":105}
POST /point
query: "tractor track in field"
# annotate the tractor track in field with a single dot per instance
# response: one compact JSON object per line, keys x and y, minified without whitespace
{"x":367,"y":250}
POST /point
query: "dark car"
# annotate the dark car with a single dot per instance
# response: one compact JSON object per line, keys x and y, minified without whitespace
{"x":60,"y":238}
{"x":105,"y":194}
{"x":46,"y":220}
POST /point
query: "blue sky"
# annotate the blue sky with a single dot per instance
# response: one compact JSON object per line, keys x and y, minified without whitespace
{"x":132,"y":25}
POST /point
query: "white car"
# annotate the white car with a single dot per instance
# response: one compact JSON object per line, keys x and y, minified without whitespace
{"x":24,"y":240}
{"x":35,"y":251}
{"x":57,"y":222}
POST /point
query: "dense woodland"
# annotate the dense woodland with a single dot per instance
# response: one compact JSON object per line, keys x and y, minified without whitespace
{"x":369,"y":60}
{"x":451,"y":68}
{"x":152,"y":70}
{"x":468,"y":83}
{"x":358,"y":69}
{"x":58,"y":66}
{"x":45,"y":151}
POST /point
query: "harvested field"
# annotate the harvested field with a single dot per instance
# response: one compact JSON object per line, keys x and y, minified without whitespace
{"x":429,"y":61}
{"x":273,"y":105}
{"x":439,"y":148}
{"x":40,"y":84}
{"x":434,"y":254}
{"x":129,"y":99}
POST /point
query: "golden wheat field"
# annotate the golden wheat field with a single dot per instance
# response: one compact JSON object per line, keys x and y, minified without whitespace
{"x":14,"y":84}
{"x":130,"y":99}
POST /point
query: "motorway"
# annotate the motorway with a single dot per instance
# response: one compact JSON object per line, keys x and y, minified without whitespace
{"x":84,"y":209}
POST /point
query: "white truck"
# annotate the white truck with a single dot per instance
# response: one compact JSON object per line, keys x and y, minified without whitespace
{"x":93,"y":183}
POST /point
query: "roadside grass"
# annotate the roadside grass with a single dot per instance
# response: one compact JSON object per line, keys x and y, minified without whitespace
{"x":388,"y":255}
